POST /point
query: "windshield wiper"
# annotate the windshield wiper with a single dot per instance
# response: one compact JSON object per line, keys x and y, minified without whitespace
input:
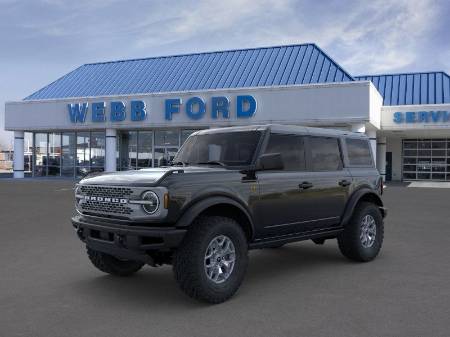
{"x":211,"y":162}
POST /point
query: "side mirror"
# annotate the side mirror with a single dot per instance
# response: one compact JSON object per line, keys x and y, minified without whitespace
{"x":270,"y":161}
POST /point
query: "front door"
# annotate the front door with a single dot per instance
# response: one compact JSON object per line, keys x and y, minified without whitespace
{"x":282,"y":204}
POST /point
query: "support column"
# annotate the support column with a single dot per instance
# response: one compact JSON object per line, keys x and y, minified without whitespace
{"x":110,"y":150}
{"x":381,"y":156}
{"x":372,"y":134}
{"x":18,"y":154}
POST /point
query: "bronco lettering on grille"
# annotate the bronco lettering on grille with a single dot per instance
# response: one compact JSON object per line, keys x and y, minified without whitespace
{"x":106,"y":199}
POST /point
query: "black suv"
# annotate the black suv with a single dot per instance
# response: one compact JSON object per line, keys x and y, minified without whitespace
{"x":230,"y":190}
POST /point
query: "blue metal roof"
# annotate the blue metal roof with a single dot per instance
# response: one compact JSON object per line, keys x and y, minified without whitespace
{"x":257,"y":67}
{"x":412,"y":88}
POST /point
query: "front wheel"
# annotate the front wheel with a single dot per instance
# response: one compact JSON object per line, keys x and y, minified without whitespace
{"x":211,"y":261}
{"x":362,"y":237}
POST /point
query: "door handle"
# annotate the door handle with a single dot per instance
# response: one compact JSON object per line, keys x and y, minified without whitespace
{"x":305,"y":185}
{"x":344,"y":183}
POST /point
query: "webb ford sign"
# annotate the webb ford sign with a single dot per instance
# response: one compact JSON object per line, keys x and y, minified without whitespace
{"x":194,"y":108}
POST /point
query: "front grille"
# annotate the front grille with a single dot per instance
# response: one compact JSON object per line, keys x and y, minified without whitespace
{"x":106,"y":192}
{"x":101,"y":207}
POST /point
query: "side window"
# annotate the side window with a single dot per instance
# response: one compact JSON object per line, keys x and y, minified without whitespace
{"x":325,"y":154}
{"x":358,"y":152}
{"x":291,"y":149}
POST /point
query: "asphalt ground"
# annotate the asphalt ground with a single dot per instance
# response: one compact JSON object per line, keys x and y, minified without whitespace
{"x":49,"y":288}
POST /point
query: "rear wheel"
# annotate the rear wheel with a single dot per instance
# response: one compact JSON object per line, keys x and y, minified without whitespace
{"x":112,"y":265}
{"x":211,"y":261}
{"x":363,"y":236}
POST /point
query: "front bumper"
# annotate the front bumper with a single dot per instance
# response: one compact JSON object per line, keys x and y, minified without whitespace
{"x":125,"y":241}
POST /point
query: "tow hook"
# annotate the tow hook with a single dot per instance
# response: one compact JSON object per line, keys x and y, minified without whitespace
{"x":120,"y":240}
{"x":80,"y":234}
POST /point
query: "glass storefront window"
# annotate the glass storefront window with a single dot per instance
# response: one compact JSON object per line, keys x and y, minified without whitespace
{"x":28,"y":152}
{"x":78,"y":153}
{"x":128,"y":150}
{"x":97,"y":151}
{"x":167,"y":138}
{"x":40,"y":154}
{"x":145,"y":149}
{"x":83,"y":153}
{"x":185,"y":134}
{"x":54,"y":154}
{"x":68,"y":154}
{"x":163,"y":155}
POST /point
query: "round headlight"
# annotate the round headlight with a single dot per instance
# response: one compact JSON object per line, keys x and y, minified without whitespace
{"x":151,"y":204}
{"x":77,"y":195}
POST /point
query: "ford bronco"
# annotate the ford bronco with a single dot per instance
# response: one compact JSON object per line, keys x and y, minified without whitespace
{"x":227,"y":191}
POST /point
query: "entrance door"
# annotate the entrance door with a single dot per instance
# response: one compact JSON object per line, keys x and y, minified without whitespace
{"x":388,"y":166}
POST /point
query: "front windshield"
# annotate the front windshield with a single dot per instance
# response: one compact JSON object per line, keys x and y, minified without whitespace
{"x":226,"y":148}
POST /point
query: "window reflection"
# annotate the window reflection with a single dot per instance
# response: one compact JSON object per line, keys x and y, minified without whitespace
{"x":40,"y":148}
{"x":97,"y":151}
{"x":68,"y":154}
{"x":54,"y":154}
{"x":145,"y":149}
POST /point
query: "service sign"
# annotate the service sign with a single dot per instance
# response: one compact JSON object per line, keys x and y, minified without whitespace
{"x":400,"y":117}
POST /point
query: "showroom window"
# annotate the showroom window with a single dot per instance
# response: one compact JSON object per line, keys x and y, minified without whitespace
{"x":40,"y":154}
{"x":68,"y":154}
{"x":68,"y":151}
{"x":54,"y":154}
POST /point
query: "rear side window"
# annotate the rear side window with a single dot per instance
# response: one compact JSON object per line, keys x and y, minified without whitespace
{"x":291,"y":149}
{"x":358,"y":152}
{"x":325,"y":154}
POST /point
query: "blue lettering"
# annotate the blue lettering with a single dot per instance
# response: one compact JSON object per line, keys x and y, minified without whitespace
{"x":138,"y":112}
{"x":118,"y":113}
{"x":98,"y":112}
{"x":195,"y":108}
{"x":78,"y":112}
{"x":445,"y":116}
{"x":172,"y":106}
{"x":220,"y":106}
{"x":410,"y":117}
{"x":436,"y":115}
{"x":422,"y":116}
{"x":398,"y":117}
{"x":245,"y":106}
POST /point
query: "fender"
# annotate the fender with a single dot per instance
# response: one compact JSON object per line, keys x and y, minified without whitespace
{"x":199,"y":206}
{"x":355,"y":198}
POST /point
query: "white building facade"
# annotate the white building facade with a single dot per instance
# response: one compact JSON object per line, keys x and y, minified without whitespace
{"x":134,"y":114}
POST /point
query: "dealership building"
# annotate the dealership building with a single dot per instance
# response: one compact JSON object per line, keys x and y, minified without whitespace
{"x":134,"y":114}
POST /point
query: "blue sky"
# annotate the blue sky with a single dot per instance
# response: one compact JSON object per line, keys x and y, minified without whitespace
{"x":41,"y":40}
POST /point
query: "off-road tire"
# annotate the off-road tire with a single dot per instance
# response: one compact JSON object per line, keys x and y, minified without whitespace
{"x":111,"y":265}
{"x":349,"y":240}
{"x":188,"y":262}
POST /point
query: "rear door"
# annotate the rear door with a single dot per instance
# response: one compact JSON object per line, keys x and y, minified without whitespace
{"x":330,"y":182}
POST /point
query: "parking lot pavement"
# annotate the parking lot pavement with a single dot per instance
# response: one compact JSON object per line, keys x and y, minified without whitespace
{"x":48,"y":287}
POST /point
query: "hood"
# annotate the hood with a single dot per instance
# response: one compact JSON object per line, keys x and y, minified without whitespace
{"x":150,"y":176}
